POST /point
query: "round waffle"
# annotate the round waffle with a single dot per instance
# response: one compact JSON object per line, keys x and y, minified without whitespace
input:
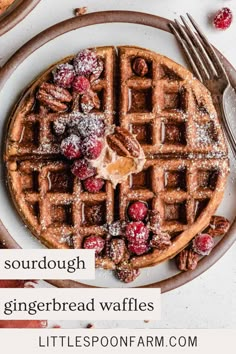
{"x":174,"y":120}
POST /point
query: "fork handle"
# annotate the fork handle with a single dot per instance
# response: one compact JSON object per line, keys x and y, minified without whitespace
{"x":227,"y":103}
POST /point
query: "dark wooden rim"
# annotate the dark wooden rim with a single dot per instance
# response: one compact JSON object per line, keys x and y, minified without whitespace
{"x":101,"y":18}
{"x":16,"y":13}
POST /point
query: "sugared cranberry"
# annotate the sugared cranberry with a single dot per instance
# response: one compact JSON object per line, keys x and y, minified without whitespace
{"x":85,"y":62}
{"x":93,"y":185}
{"x":138,"y":248}
{"x":136,"y":232}
{"x":93,"y":242}
{"x":223,"y":18}
{"x":63,"y":75}
{"x":81,"y":84}
{"x":137,"y":211}
{"x":203,"y":244}
{"x":91,"y":147}
{"x":91,"y":125}
{"x":59,"y":126}
{"x":71,"y":147}
{"x":82,"y":169}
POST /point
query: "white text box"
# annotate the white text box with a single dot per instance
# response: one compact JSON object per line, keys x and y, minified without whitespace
{"x":166,"y":341}
{"x":83,"y":304}
{"x":47,"y":264}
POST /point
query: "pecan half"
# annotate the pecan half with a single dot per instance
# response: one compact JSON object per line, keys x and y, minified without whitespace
{"x":117,"y":250}
{"x":218,"y":226}
{"x":124,"y":143}
{"x":161,"y":241}
{"x":53,"y":97}
{"x":140,"y":67}
{"x":187,"y":260}
{"x":126,"y":273}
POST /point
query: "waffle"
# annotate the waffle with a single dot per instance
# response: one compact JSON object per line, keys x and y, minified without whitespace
{"x":4,"y":4}
{"x":173,"y":118}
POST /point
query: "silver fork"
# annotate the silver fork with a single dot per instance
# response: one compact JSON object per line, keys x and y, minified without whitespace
{"x":208,"y":68}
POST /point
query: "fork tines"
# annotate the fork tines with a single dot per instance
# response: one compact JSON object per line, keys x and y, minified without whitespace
{"x":206,"y":66}
{"x":199,"y":51}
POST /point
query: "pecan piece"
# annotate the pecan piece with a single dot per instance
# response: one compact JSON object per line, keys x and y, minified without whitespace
{"x":126,"y":273}
{"x":140,"y":67}
{"x":89,"y":101}
{"x":79,"y":11}
{"x":187,"y":260}
{"x":107,"y":245}
{"x":117,"y":250}
{"x":117,"y":228}
{"x":98,"y":71}
{"x":53,"y":97}
{"x":124,"y":143}
{"x":218,"y":226}
{"x":154,"y":221}
{"x":161,"y":241}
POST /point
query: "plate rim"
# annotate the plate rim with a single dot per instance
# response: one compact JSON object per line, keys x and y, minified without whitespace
{"x":15,"y":14}
{"x":104,"y":17}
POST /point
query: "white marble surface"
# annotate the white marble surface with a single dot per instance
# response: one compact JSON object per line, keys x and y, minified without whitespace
{"x":209,"y":300}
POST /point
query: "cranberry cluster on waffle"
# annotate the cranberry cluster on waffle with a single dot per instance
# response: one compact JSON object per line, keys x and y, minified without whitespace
{"x":120,"y":151}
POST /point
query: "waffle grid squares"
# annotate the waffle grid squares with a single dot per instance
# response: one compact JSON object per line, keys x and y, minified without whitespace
{"x":166,"y":112}
{"x":177,"y":190}
{"x":178,"y":116}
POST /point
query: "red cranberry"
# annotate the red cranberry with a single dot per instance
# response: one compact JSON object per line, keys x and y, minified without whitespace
{"x":136,"y":232}
{"x":63,"y":75}
{"x":85,"y":62}
{"x":81,"y":84}
{"x":71,"y":147}
{"x":203,"y":244}
{"x":82,"y":169}
{"x":138,"y":248}
{"x":137,"y":211}
{"x":12,"y":283}
{"x":91,"y":147}
{"x":223,"y":18}
{"x":93,"y":185}
{"x":23,"y":324}
{"x":96,"y":243}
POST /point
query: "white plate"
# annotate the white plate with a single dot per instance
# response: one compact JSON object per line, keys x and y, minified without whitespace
{"x":62,"y":46}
